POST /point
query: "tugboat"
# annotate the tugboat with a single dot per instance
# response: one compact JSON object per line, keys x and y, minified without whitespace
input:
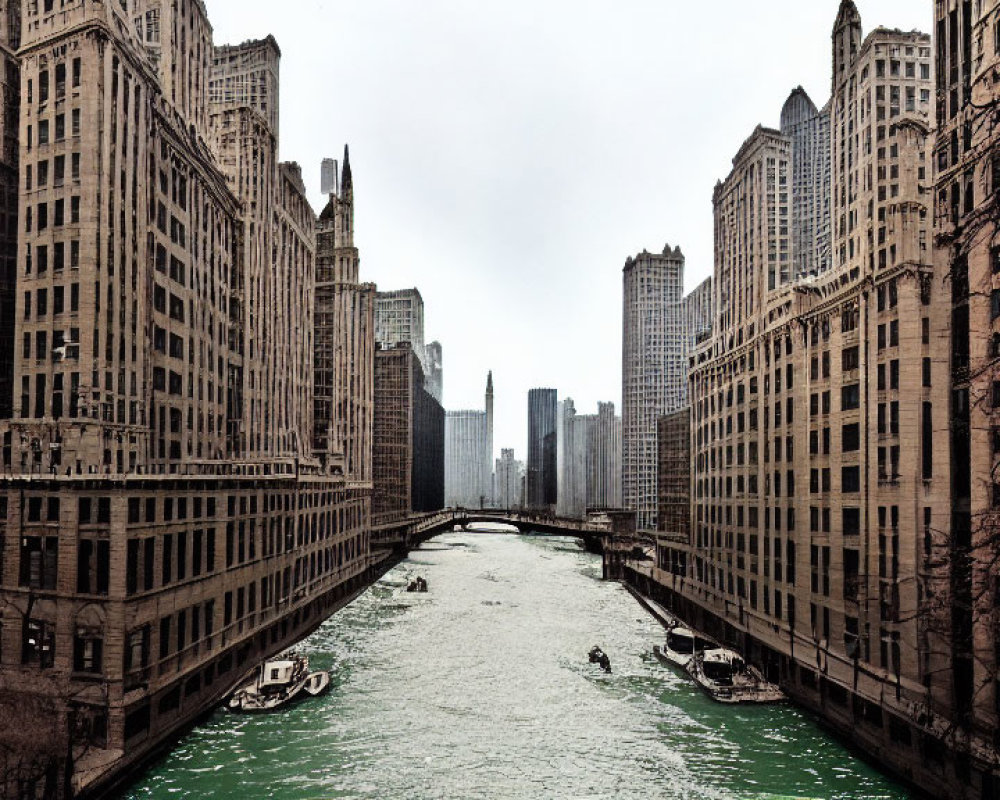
{"x":725,"y":677}
{"x":598,"y":656}
{"x":681,"y":646}
{"x":278,"y":683}
{"x":417,"y":585}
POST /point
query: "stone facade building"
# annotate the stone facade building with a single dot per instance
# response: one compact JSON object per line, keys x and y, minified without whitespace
{"x":819,"y":406}
{"x":961,"y":598}
{"x":541,"y":478}
{"x":654,"y":368}
{"x":468,"y":454}
{"x":408,"y":457}
{"x":166,"y":519}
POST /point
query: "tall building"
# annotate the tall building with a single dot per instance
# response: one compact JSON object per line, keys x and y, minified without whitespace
{"x":604,"y":458}
{"x":343,"y":382}
{"x":960,"y":554}
{"x":408,"y":456}
{"x":468,"y":453}
{"x":541,"y":475}
{"x":329,"y":177}
{"x":399,"y":317}
{"x":808,"y":130}
{"x":10,"y":95}
{"x":571,"y":454}
{"x":654,"y":369}
{"x":818,"y":411}
{"x":434,"y":370}
{"x":164,"y":523}
{"x":589,"y":460}
{"x":509,"y":480}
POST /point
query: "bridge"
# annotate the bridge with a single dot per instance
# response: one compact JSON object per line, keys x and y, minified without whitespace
{"x":405,"y":534}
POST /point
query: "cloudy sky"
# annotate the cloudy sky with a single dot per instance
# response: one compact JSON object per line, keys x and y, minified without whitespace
{"x":508,"y":157}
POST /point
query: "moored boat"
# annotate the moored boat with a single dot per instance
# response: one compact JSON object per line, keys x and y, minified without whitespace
{"x":278,"y":683}
{"x":681,"y":645}
{"x":726,"y":677}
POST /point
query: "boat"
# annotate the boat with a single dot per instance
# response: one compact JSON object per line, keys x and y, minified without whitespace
{"x":278,"y":683}
{"x":727,"y":678}
{"x":317,"y":683}
{"x":598,"y":656}
{"x":681,"y":645}
{"x":417,"y":585}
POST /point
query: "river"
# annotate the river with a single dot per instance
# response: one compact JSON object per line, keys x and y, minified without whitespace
{"x":481,"y":688}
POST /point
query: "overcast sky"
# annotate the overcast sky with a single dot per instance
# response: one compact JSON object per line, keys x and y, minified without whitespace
{"x":508,"y":156}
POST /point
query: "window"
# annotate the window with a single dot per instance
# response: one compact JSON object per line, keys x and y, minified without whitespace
{"x":39,"y":562}
{"x":850,"y":479}
{"x":39,"y":643}
{"x":851,"y":437}
{"x":850,"y":358}
{"x":850,"y":397}
{"x":87,"y":651}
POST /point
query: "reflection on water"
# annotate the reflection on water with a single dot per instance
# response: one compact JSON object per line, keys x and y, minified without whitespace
{"x":481,"y":688}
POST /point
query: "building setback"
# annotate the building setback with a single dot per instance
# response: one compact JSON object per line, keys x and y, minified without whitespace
{"x":408,"y":457}
{"x":166,"y":519}
{"x":654,"y":368}
{"x":468,"y":454}
{"x":541,"y":476}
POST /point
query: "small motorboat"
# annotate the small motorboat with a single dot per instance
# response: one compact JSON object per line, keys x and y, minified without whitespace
{"x":279,"y":682}
{"x":417,"y":585}
{"x":726,"y":677}
{"x":598,"y":656}
{"x":681,"y":645}
{"x":316,"y":683}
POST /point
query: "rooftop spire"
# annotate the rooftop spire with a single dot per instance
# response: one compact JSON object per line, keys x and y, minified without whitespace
{"x":489,"y":383}
{"x":346,"y":184}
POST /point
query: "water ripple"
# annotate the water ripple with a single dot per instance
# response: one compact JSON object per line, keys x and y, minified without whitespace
{"x":481,"y":688}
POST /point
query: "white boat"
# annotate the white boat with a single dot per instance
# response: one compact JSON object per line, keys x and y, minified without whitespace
{"x":278,"y":683}
{"x":681,"y":645}
{"x":726,"y":677}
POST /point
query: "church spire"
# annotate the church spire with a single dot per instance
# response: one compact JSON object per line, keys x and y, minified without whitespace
{"x":346,"y":184}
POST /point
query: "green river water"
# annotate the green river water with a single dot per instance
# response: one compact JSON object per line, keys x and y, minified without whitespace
{"x":481,"y":688}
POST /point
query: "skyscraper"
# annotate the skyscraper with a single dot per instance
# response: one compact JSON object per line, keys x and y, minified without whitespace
{"x":508,"y":480}
{"x":654,"y":368}
{"x":468,"y":477}
{"x":542,"y":462}
{"x":589,"y":459}
{"x":328,"y":178}
{"x":434,"y":370}
{"x":399,"y":317}
{"x":808,"y":129}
